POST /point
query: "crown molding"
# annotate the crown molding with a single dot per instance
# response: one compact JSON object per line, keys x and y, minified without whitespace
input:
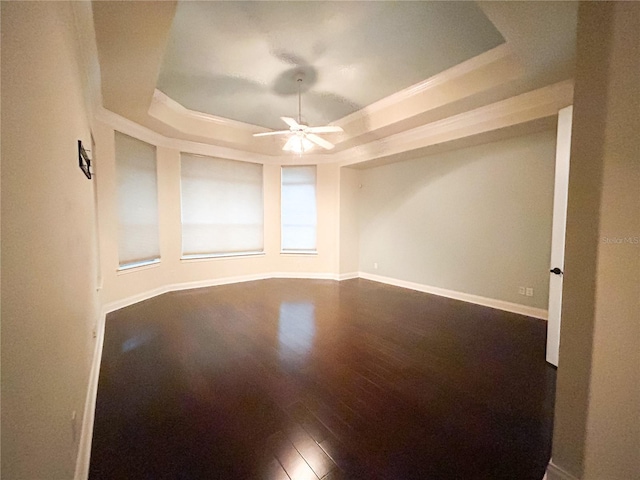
{"x":524,"y":108}
{"x":501,"y":53}
{"x":129,"y":127}
{"x":160,"y":98}
{"x":541,"y":103}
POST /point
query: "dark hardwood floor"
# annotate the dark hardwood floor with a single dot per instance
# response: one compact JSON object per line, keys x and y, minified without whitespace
{"x":308,"y":379}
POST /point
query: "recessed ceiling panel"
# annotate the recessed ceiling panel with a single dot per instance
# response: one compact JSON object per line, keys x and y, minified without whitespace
{"x":239,"y":60}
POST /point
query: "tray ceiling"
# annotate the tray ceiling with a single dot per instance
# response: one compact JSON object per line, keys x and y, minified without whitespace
{"x":396,"y":76}
{"x":238,"y":60}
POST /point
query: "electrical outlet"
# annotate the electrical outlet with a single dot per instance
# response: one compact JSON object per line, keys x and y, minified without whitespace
{"x":521,"y":290}
{"x":529,"y":291}
{"x":375,"y":265}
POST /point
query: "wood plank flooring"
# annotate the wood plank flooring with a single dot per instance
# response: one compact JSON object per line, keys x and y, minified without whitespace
{"x":314,"y":379}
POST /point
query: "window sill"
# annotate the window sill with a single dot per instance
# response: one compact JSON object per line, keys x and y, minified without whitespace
{"x":136,"y":267}
{"x":219,"y":256}
{"x":297,"y":253}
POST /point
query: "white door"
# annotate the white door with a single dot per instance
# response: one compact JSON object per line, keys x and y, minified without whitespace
{"x":563,"y":150}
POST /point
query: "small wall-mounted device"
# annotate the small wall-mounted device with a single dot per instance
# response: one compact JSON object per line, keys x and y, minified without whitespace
{"x":84,"y":160}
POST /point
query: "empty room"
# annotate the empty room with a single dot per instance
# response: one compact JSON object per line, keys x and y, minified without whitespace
{"x":320,"y":240}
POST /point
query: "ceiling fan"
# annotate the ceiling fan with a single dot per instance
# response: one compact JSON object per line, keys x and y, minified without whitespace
{"x":302,"y":136}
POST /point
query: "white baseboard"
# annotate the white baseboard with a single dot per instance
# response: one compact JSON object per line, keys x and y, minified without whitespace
{"x":348,"y":276}
{"x":215,"y":282}
{"x":86,"y":432}
{"x":554,"y":472}
{"x":309,"y":276}
{"x":125,"y":302}
{"x":465,"y":297}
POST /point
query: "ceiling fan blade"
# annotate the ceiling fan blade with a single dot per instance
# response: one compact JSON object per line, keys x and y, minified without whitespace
{"x":265,"y":134}
{"x":291,"y":122}
{"x":288,"y":57}
{"x":326,"y":129}
{"x":320,"y":141}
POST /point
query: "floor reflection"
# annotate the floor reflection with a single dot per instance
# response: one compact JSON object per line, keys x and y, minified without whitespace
{"x":296,"y":330}
{"x":137,"y":341}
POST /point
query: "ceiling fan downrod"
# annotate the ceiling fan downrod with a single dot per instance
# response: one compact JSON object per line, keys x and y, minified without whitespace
{"x":299,"y":80}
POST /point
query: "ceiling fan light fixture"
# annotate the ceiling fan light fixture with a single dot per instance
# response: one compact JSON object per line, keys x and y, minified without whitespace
{"x":298,"y":144}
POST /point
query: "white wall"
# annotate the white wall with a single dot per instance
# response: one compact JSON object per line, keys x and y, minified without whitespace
{"x":349,"y":222}
{"x":476,"y":220}
{"x":127,"y":285}
{"x":597,"y":416}
{"x":49,"y":300}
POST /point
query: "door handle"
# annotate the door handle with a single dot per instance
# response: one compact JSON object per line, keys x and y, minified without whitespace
{"x":556,"y":270}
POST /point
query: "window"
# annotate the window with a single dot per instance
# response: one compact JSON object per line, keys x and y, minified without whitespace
{"x":222,"y":207}
{"x":137,"y":186}
{"x":298,"y":215}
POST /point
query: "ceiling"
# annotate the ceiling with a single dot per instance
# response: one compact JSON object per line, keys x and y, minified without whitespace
{"x":239,"y":60}
{"x":392,"y":74}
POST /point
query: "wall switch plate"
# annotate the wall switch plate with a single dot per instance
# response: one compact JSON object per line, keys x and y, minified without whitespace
{"x":375,"y":266}
{"x":529,"y":292}
{"x":521,"y":290}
